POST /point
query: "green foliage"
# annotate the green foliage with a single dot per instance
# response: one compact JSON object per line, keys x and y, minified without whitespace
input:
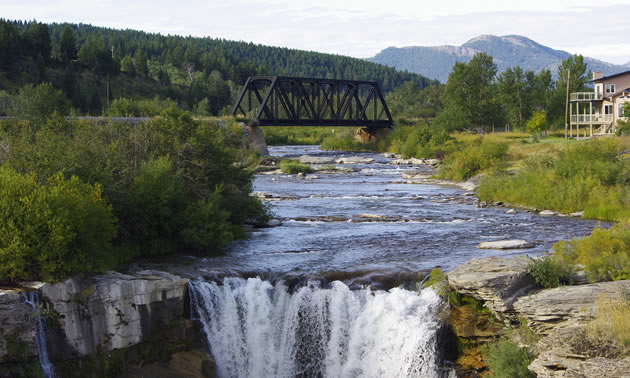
{"x":410,"y":100}
{"x":537,"y":123}
{"x":586,"y":176}
{"x":297,"y":135}
{"x":174,"y":184}
{"x":507,"y":360}
{"x":51,"y":230}
{"x":421,"y":142}
{"x":469,"y":94}
{"x":623,"y":126}
{"x":39,"y":102}
{"x":290,"y":166}
{"x":68,"y":45}
{"x":605,"y":254}
{"x":125,"y":107}
{"x":577,"y":83}
{"x":479,"y":155}
{"x":548,"y":271}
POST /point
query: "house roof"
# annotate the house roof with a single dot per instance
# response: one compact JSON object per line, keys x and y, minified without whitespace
{"x":610,"y":76}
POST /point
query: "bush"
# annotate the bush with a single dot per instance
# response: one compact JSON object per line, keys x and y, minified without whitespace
{"x":51,"y":230}
{"x":39,"y":102}
{"x":549,"y":272}
{"x":605,"y":254}
{"x":507,"y":359}
{"x":479,"y":155}
{"x":293,"y":166}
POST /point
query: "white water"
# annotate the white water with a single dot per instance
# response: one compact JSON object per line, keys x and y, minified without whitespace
{"x":255,"y":329}
{"x":32,"y":298}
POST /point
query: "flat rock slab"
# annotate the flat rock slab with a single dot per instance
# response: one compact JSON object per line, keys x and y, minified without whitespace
{"x":498,"y":281}
{"x":506,"y":244}
{"x":354,"y":160}
{"x":307,"y":159}
{"x":566,"y":306}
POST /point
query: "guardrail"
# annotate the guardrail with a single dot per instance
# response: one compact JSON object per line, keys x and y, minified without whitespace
{"x":591,"y":118}
{"x":586,"y":96}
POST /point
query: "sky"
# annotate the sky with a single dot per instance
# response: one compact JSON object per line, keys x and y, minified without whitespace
{"x":358,"y":28}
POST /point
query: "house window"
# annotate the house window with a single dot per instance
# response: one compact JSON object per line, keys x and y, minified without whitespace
{"x":610,"y":88}
{"x":621,"y":113}
{"x":608,"y":109}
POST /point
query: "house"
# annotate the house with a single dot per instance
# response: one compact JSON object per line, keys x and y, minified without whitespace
{"x":599,"y":111}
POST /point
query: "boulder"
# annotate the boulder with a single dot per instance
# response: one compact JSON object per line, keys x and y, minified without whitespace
{"x":506,"y":244}
{"x":17,"y":326}
{"x":112,"y":311}
{"x":547,"y":213}
{"x":511,"y":211}
{"x":498,"y":281}
{"x":354,"y":160}
{"x":416,"y":175}
{"x":566,"y":306}
{"x":578,"y":214}
{"x":307,"y":159}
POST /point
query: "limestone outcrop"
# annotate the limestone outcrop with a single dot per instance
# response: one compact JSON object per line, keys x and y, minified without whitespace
{"x":113,"y":311}
{"x":567,"y":306}
{"x":17,"y":326}
{"x":506,"y":244}
{"x":498,"y":281}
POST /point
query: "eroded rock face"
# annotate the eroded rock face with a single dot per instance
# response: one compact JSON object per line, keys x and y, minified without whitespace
{"x":17,"y":327}
{"x":113,"y":311}
{"x":565,"y":307}
{"x":498,"y":281}
{"x":562,"y":354}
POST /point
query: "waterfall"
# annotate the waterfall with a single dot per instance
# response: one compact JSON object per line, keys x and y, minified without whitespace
{"x":256,"y":329}
{"x":32,"y":298}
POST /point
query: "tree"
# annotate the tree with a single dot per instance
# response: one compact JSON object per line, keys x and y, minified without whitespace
{"x":39,"y":102}
{"x":68,"y":45}
{"x":38,"y":41}
{"x":126,"y":65}
{"x":9,"y":43}
{"x":514,"y":95}
{"x":577,"y":83}
{"x":140,"y":60}
{"x":468,"y":95}
{"x":537,"y":123}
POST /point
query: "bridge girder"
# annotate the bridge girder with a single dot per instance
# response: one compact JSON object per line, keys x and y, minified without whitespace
{"x":295,"y":101}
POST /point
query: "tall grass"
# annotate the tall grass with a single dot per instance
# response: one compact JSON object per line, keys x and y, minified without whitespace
{"x":298,"y":135}
{"x":612,"y":322}
{"x":585,"y":176}
{"x":478,"y":155}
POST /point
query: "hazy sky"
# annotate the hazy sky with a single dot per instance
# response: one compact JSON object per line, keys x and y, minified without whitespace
{"x":359,"y":28}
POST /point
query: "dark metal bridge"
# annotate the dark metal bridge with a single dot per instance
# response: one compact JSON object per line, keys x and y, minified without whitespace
{"x":294,"y":101}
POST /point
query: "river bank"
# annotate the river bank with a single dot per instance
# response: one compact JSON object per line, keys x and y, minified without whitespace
{"x":348,"y":244}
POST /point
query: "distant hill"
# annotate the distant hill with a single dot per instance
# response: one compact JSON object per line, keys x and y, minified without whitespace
{"x":436,"y":62}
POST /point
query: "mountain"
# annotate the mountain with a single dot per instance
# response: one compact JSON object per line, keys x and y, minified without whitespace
{"x":436,"y":62}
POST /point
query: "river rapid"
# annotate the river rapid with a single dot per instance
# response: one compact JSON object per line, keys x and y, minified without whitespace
{"x":334,"y":291}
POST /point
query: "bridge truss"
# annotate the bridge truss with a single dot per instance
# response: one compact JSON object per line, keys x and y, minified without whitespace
{"x":293,"y":101}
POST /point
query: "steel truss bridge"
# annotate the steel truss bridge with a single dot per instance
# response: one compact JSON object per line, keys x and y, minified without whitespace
{"x":296,"y":101}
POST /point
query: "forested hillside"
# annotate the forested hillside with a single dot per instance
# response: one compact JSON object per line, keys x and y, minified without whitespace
{"x":95,"y":65}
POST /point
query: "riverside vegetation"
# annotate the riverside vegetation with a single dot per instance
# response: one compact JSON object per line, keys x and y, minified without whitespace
{"x":78,"y":196}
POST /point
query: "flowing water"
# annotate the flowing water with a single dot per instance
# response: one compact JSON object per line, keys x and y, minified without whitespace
{"x":32,"y":299}
{"x":333,"y":291}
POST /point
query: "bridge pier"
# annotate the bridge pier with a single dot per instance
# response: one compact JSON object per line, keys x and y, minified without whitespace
{"x":368,"y":135}
{"x":256,"y":139}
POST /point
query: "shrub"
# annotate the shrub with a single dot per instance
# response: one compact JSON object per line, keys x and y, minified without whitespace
{"x":537,"y":123}
{"x":507,"y":359}
{"x":549,"y":272}
{"x":605,"y":254}
{"x":291,"y":167}
{"x":480,"y":155}
{"x":39,"y":102}
{"x":51,"y":230}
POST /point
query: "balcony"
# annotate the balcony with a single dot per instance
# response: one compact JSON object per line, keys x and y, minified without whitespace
{"x":591,"y":118}
{"x":586,"y":96}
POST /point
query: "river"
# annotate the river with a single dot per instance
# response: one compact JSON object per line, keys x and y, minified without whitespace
{"x":333,"y":291}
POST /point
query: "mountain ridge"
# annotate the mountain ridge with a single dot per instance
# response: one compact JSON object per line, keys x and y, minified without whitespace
{"x":436,"y":62}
